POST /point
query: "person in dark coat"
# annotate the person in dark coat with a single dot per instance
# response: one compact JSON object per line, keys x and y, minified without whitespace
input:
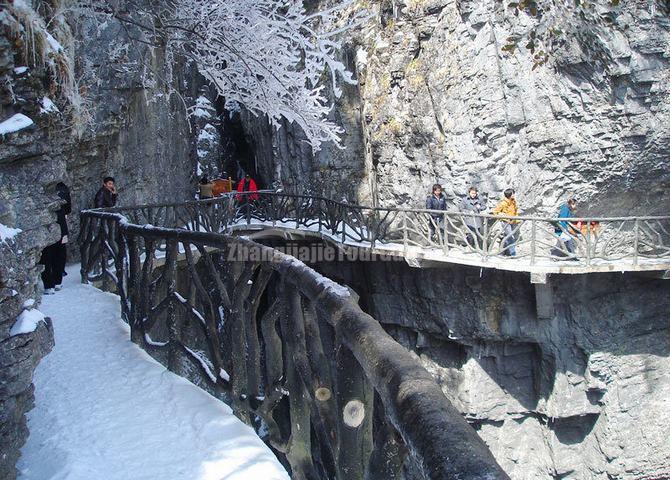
{"x":106,"y":196}
{"x":54,"y":256}
{"x":473,"y":203}
{"x":436,"y":201}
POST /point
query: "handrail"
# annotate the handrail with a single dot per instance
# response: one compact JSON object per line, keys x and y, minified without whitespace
{"x":230,"y":195}
{"x":604,"y":243}
{"x":306,"y":321}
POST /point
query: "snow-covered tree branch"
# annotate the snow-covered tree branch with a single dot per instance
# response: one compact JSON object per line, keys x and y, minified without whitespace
{"x":271,"y":56}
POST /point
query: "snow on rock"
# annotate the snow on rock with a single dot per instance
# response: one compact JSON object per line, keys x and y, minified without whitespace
{"x":105,"y":409}
{"x":27,"y":322}
{"x":29,"y":303}
{"x":20,"y":70}
{"x":7,"y":233}
{"x":15,"y":123}
{"x":206,"y":134}
{"x":203,"y":108}
{"x":48,"y":106}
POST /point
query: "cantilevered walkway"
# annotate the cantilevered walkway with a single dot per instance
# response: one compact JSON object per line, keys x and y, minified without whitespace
{"x":428,"y":238}
{"x":291,"y":351}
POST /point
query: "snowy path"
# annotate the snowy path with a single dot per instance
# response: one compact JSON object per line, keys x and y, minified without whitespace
{"x":106,"y":410}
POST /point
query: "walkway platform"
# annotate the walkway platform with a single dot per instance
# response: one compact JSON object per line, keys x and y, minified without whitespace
{"x":106,"y":410}
{"x":433,"y":257}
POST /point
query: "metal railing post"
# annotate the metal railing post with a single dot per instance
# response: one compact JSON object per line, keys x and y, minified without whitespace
{"x":533,"y":242}
{"x":445,"y":241}
{"x":636,"y":241}
{"x":588,"y":242}
{"x":404,"y":233}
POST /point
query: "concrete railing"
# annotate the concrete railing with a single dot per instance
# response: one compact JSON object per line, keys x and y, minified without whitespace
{"x":574,"y":245}
{"x":292,"y":352}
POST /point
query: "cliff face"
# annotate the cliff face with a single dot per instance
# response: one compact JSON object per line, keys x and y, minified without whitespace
{"x":129,"y":127}
{"x":439,"y":101}
{"x":579,"y":395}
{"x":444,"y":103}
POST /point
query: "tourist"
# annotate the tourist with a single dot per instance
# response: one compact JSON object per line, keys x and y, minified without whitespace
{"x":106,"y":196}
{"x":565,"y":231}
{"x":472,"y":203}
{"x":509,"y":208}
{"x":206,"y":188}
{"x":247,"y":184}
{"x":55,"y":255}
{"x":435,"y":201}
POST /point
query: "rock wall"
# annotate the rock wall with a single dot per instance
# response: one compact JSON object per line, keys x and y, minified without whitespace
{"x":132,"y":125}
{"x":444,"y":103}
{"x":28,"y":175}
{"x":283,"y":156}
{"x":581,"y":395}
{"x":140,"y":132}
{"x":439,"y":101}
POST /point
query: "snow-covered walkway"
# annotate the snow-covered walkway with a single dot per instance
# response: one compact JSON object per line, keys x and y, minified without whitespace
{"x":106,"y":410}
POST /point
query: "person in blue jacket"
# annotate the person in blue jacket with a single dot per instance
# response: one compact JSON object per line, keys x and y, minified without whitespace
{"x":565,"y":231}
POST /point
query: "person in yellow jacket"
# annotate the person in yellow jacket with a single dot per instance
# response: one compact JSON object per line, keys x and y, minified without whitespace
{"x":509,"y":208}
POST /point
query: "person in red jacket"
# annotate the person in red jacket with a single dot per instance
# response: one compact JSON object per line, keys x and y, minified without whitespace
{"x":247,"y":184}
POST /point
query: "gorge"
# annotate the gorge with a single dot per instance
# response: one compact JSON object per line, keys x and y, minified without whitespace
{"x":438,"y":100}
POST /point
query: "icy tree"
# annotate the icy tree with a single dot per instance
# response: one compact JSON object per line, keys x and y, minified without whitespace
{"x":271,"y":56}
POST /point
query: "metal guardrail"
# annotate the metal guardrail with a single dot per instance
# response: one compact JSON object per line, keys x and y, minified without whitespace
{"x":294,"y":355}
{"x":625,"y":242}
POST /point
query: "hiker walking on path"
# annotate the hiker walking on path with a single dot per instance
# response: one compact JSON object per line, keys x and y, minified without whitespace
{"x":565,"y":231}
{"x":473,"y":204}
{"x":106,"y":196}
{"x":435,"y":201}
{"x":509,"y":208}
{"x":55,"y":255}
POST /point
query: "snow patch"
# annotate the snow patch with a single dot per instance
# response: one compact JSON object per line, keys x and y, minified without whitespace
{"x":223,"y":374}
{"x":204,"y":362}
{"x":29,"y":303}
{"x":361,"y":56}
{"x":27,"y":322}
{"x":20,"y":70}
{"x":15,"y":123}
{"x":206,"y":134}
{"x":150,"y":341}
{"x":8,"y":233}
{"x":48,"y":106}
{"x":201,"y":113}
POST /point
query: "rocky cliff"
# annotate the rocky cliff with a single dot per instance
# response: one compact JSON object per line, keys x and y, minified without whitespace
{"x":440,"y":101}
{"x":130,"y":122}
{"x":580,"y":395}
{"x":437,"y":100}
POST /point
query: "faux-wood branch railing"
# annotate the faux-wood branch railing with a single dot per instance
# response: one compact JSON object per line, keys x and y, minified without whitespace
{"x":292,"y":352}
{"x":623,"y":242}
